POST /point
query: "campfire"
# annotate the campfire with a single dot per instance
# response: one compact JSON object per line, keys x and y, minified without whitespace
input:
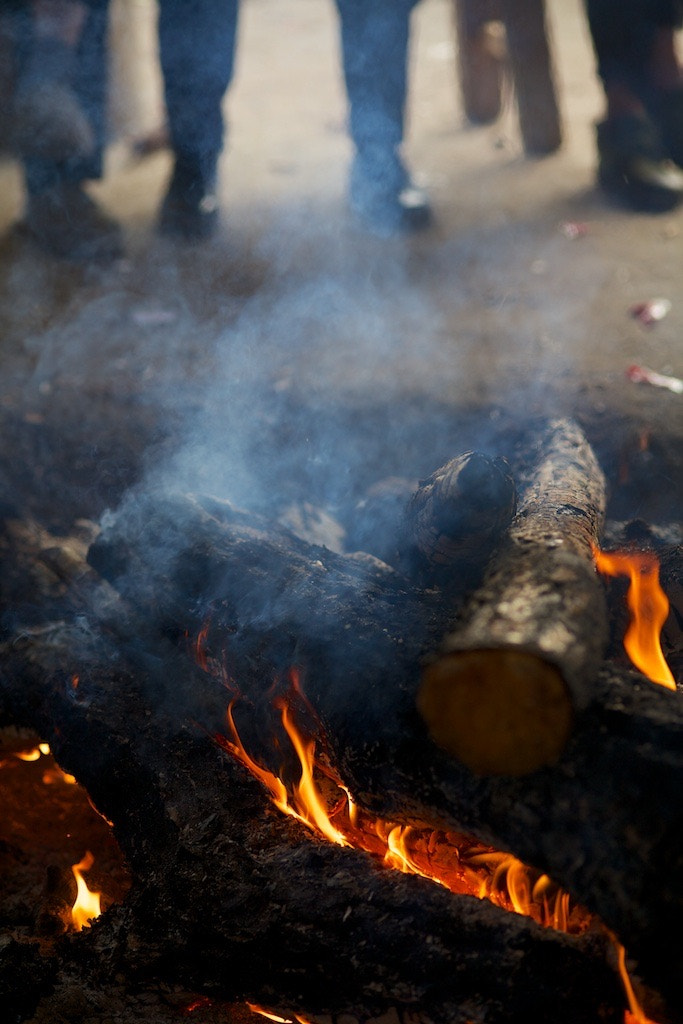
{"x":421,"y":765}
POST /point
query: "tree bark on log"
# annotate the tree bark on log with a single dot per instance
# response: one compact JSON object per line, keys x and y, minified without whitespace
{"x":502,"y":692}
{"x":604,"y":821}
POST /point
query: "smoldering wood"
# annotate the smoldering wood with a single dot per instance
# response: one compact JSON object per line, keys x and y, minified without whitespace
{"x":238,"y":901}
{"x":439,"y":531}
{"x":503,"y":689}
{"x":399,"y":787}
{"x":604,"y":821}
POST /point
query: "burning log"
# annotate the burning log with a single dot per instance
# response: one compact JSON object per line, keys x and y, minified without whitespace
{"x":239,"y":902}
{"x":262,"y":602}
{"x":502,"y":693}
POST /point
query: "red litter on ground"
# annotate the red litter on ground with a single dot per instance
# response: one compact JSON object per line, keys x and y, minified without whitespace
{"x":650,"y":312}
{"x":573,"y":229}
{"x":643,"y":375}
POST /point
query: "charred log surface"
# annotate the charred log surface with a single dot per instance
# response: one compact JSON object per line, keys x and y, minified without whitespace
{"x":502,"y":693}
{"x":236,"y":900}
{"x":442,"y":530}
{"x":26,"y":977}
{"x":604,"y":821}
{"x":458,"y":514}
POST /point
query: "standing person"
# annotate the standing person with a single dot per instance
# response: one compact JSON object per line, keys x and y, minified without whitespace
{"x":640,"y":140}
{"x":59,"y":124}
{"x":375,"y":36}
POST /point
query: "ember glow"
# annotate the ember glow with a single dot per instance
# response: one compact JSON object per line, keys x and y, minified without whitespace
{"x":50,"y":775}
{"x":275,"y":1016}
{"x":649,"y":607}
{"x":87,"y":905}
{"x":34,"y":754}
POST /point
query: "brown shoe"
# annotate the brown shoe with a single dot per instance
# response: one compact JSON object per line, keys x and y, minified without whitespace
{"x":67,"y":223}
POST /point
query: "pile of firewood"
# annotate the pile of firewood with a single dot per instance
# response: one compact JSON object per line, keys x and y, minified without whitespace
{"x":458,"y":674}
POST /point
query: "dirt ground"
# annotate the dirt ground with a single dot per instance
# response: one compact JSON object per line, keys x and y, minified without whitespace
{"x":292,"y":305}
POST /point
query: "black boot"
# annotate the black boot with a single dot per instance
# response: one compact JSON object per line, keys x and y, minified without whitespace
{"x":190,"y":208}
{"x":666,"y":110}
{"x":634,"y":165}
{"x":67,"y":223}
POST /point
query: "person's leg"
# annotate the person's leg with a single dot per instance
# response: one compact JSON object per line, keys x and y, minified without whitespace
{"x":49,"y":122}
{"x":623,"y":34}
{"x":634,"y":43}
{"x":375,"y":36}
{"x":197,"y":51}
{"x":60,"y":112}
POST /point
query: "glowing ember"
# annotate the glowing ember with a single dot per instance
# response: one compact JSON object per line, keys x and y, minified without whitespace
{"x":649,"y":607}
{"x":198,"y":1004}
{"x":50,"y":775}
{"x":275,"y":1016}
{"x":34,"y":753}
{"x":87,"y":905}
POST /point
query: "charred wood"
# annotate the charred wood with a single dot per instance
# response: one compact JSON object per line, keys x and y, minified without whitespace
{"x":240,"y":902}
{"x":442,"y":530}
{"x":604,"y":820}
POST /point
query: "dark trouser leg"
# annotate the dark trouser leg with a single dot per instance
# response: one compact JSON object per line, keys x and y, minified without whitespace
{"x":62,"y":84}
{"x":374,"y":43}
{"x":641,"y":138}
{"x":623,"y":33}
{"x":197,"y":51}
{"x":375,"y":36}
{"x":74,"y":79}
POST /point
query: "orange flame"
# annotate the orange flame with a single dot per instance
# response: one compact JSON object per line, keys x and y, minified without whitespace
{"x":465,"y":868}
{"x":649,"y":607}
{"x":266,"y":1013}
{"x":305,"y":803}
{"x":276,"y":1016}
{"x":449,"y":860}
{"x":87,"y":905}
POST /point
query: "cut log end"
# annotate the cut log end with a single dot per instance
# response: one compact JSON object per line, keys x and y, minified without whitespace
{"x":499,"y":712}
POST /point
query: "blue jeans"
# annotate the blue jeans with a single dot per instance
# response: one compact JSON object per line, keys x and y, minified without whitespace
{"x":197,"y":41}
{"x":375,"y":38}
{"x":83,"y":70}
